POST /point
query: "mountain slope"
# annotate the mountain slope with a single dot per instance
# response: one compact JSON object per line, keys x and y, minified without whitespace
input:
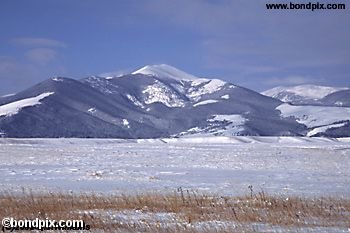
{"x":339,"y":98}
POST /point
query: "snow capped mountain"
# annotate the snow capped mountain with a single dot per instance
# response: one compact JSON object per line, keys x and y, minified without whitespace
{"x":158,"y":84}
{"x":162,"y":101}
{"x":165,"y":71}
{"x":307,"y":91}
{"x":186,"y":86}
{"x":302,"y":94}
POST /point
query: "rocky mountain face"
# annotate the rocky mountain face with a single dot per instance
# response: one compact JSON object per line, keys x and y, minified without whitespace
{"x":162,"y":101}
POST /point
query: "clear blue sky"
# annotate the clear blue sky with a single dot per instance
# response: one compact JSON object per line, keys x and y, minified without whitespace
{"x":239,"y":41}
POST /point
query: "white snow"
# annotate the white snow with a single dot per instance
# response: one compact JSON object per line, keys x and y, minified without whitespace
{"x":205,"y":102}
{"x":274,"y":141}
{"x":126,"y":123}
{"x":339,"y":103}
{"x":211,"y":86}
{"x":224,"y":165}
{"x":135,"y":101}
{"x":8,"y":95}
{"x":199,"y":86}
{"x":56,"y":79}
{"x":308,"y":91}
{"x":226,"y":97}
{"x":221,"y":166}
{"x":313,"y":116}
{"x":14,"y":107}
{"x":165,"y":71}
{"x":92,"y":110}
{"x":199,"y":81}
{"x":159,"y":92}
{"x":194,"y":129}
{"x":324,"y":129}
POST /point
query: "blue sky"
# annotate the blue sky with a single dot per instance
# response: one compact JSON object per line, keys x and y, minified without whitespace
{"x":238,"y":41}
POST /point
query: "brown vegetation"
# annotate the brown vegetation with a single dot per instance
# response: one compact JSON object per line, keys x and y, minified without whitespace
{"x":181,"y":211}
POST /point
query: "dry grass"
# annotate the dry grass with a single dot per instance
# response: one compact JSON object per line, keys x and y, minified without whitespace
{"x":183,"y":211}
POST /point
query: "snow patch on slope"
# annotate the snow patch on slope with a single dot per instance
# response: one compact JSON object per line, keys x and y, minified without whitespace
{"x":56,"y":79}
{"x":92,"y":110}
{"x":205,"y":102}
{"x":313,"y":116}
{"x":339,"y":103}
{"x":14,"y":107}
{"x":126,"y":123}
{"x":323,"y":129}
{"x":162,"y":94}
{"x":135,"y":101}
{"x":165,"y":71}
{"x":226,"y":97}
{"x":211,"y":86}
{"x":8,"y":95}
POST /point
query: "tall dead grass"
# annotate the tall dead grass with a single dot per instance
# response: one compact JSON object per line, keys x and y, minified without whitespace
{"x":181,"y":211}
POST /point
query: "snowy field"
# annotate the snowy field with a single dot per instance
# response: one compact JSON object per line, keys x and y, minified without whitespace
{"x":286,"y":166}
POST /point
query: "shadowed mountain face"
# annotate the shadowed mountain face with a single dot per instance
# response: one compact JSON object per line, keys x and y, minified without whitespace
{"x":155,"y":101}
{"x":339,"y":98}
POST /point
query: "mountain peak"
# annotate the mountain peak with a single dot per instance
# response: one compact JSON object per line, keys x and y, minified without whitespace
{"x":165,"y":71}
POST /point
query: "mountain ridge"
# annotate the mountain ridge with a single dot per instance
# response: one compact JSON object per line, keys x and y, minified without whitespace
{"x":303,"y":94}
{"x":159,"y":101}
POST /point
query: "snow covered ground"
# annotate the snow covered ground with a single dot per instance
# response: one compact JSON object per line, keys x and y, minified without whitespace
{"x":222,"y":165}
{"x":315,"y":116}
